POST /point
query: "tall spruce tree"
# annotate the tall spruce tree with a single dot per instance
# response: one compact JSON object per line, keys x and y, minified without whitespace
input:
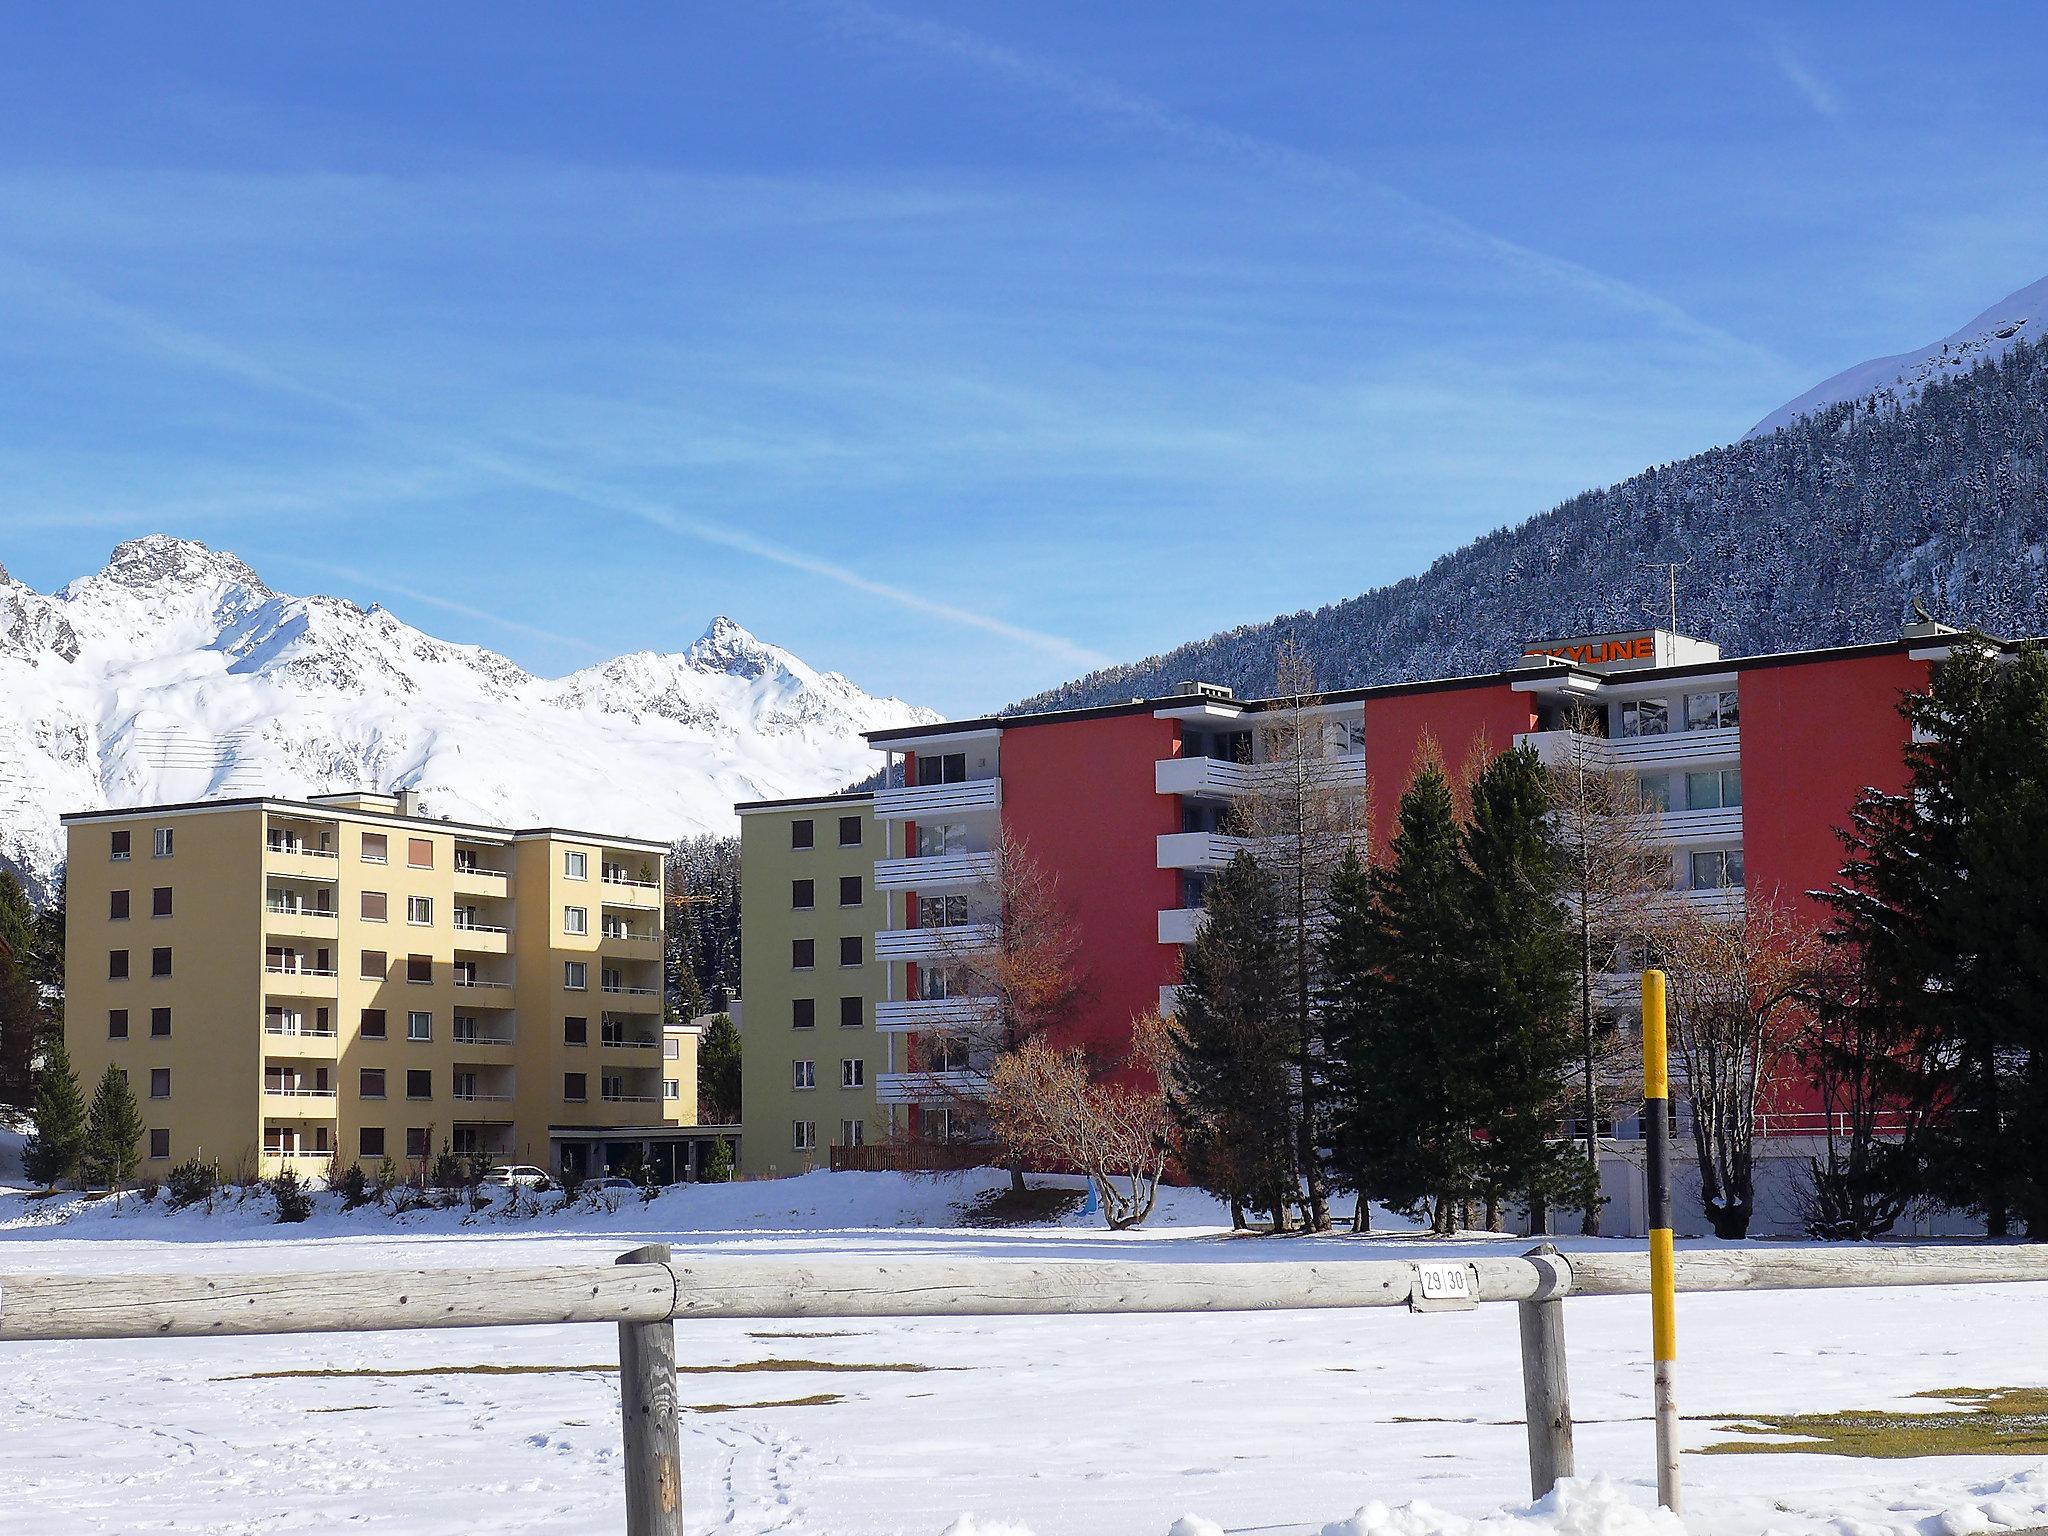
{"x":718,"y":1072}
{"x":1348,"y":954}
{"x":21,"y":1000}
{"x":113,"y":1128}
{"x":56,"y":1139}
{"x":1516,"y":967}
{"x":1231,"y":1094}
{"x":1404,"y":1042}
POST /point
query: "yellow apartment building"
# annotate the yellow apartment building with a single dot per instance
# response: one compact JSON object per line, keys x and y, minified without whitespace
{"x":812,"y":1058}
{"x":287,"y":982}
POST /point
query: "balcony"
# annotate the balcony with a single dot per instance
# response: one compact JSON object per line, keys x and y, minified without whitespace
{"x":1198,"y":850}
{"x":625,"y":940}
{"x":621,"y":1039}
{"x":478,"y":879}
{"x":482,"y":1084}
{"x":903,"y":1016}
{"x":923,"y":802}
{"x":301,"y":1036}
{"x":477,"y":938}
{"x":1169,"y":1002}
{"x":1720,"y":901}
{"x":478,"y":984}
{"x":482,"y":1032}
{"x":621,"y":890}
{"x":290,"y":979}
{"x":927,"y":943}
{"x":1217,"y":778}
{"x":289,"y":1101}
{"x":935,"y":872}
{"x":1179,"y":925}
{"x":1722,"y":744}
{"x":925,"y":1087}
{"x":284,"y":856}
{"x":1721,"y":824}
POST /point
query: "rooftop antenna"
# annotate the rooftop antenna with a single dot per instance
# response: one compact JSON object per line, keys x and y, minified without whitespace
{"x":1671,"y":568}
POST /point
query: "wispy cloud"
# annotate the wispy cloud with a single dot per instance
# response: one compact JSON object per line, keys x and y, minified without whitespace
{"x":199,"y":350}
{"x":1093,"y":95}
{"x":376,"y":583}
{"x":1818,"y":93}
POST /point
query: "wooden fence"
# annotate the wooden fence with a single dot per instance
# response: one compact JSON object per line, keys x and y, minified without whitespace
{"x":645,"y":1291}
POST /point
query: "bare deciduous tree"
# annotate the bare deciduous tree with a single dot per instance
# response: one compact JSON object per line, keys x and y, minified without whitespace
{"x":1306,"y":809}
{"x":1737,"y":990}
{"x":1054,"y":1106}
{"x":1617,"y":887}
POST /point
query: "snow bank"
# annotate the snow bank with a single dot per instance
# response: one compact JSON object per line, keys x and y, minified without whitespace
{"x":1576,"y":1507}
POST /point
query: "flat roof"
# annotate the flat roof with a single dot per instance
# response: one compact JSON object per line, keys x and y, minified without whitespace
{"x":319,"y":811}
{"x":795,"y":802}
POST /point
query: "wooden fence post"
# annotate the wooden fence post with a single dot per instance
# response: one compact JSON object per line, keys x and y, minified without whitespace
{"x":647,"y":1410}
{"x":1546,"y":1384}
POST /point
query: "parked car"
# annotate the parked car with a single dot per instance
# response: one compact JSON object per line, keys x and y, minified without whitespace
{"x":612,"y":1185}
{"x":517,"y":1176}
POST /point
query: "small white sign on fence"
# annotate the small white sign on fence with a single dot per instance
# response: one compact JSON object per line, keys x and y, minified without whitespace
{"x":1443,"y":1288}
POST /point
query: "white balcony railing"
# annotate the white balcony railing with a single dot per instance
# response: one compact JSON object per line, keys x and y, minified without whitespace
{"x":620,"y":989}
{"x":478,"y":1037}
{"x":473,"y":983}
{"x":925,"y":1087}
{"x":1720,"y":824}
{"x":1218,"y":778}
{"x":935,"y":871}
{"x":919,"y":802}
{"x":279,"y":1091}
{"x":1179,"y":925}
{"x":629,"y":1098}
{"x":924,"y":943}
{"x":310,"y":1031}
{"x":479,"y":1096}
{"x":1722,"y":744}
{"x":1198,"y":850}
{"x":906,"y":1015}
{"x":281,"y":909}
{"x":299,"y":970}
{"x":300,"y":851}
{"x":463,"y":926}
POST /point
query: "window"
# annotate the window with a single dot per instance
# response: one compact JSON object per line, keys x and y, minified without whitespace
{"x":942,"y":768}
{"x":376,"y":965}
{"x":416,"y":1142}
{"x":159,"y":1082}
{"x":575,"y":975}
{"x":575,"y":864}
{"x":159,"y":1143}
{"x":1708,"y":711}
{"x":160,"y":960}
{"x":419,"y":1026}
{"x":671,"y":1048}
{"x":117,"y":965}
{"x":118,"y":845}
{"x":575,"y":1086}
{"x":849,"y":891}
{"x":160,"y":1023}
{"x":117,"y":906}
{"x":575,"y":1031}
{"x":849,"y":832}
{"x":849,"y":949}
{"x":419,"y":969}
{"x":803,"y":954}
{"x":376,"y":906}
{"x":1643,"y":717}
{"x":372,"y":1024}
{"x":117,"y":1023}
{"x":163,"y":842}
{"x":853,"y":1133}
{"x":940,"y":837}
{"x":419,"y":852}
{"x":803,"y":1013}
{"x":376,"y":848}
{"x":853,"y":1073}
{"x":370,"y":1141}
{"x":1713,"y":789}
{"x":575,"y":919}
{"x":945,"y":911}
{"x":1655,"y":789}
{"x":419,"y":1083}
{"x":850,"y":1011}
{"x":944,"y":1055}
{"x":804,"y":1135}
{"x":160,"y":901}
{"x":370,"y":1083}
{"x":802,"y":895}
{"x":1717,"y":869}
{"x":804,"y":1073}
{"x":802,"y":834}
{"x":419,"y":909}
{"x":671,"y":1088}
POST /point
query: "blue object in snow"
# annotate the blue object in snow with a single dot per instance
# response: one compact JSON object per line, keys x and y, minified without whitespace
{"x":1089,"y":1205}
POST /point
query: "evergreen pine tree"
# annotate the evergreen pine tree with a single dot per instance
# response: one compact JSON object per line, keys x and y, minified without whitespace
{"x":56,"y":1139}
{"x":21,"y":1001}
{"x":1231,"y":1097}
{"x":1516,"y":973}
{"x":1347,"y":957}
{"x":718,"y":1072}
{"x":46,"y":961}
{"x":113,"y":1127}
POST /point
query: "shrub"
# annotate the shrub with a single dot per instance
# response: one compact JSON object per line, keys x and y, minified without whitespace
{"x":718,"y":1163}
{"x":354,"y":1186}
{"x":147,"y":1190}
{"x":294,"y":1200}
{"x":571,"y":1187}
{"x":385,"y":1181}
{"x":449,"y":1171}
{"x":191,"y":1182}
{"x":650,"y":1183}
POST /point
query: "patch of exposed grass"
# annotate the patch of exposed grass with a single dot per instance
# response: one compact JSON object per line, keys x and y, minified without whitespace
{"x":1998,"y":1421}
{"x":848,"y":1335}
{"x":744,"y":1367}
{"x":1007,"y":1208}
{"x":351,"y":1408}
{"x":815,"y":1400}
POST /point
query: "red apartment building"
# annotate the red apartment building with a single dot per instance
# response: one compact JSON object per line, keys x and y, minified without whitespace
{"x":1755,"y":760}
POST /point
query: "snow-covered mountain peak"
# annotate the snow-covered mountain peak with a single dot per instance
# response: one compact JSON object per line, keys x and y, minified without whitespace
{"x":175,"y":673}
{"x":1891,"y":382}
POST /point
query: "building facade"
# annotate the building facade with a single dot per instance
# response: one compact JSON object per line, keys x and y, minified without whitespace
{"x":811,"y":975}
{"x":1748,"y":765}
{"x":289,"y":982}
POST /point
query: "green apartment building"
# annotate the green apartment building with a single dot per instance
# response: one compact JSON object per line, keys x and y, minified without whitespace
{"x":811,"y":1057}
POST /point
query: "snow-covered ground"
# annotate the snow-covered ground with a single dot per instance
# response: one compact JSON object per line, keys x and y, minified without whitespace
{"x":1118,"y":1426}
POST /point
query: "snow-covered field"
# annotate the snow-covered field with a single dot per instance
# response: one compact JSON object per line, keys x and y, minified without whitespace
{"x":1127,"y":1426}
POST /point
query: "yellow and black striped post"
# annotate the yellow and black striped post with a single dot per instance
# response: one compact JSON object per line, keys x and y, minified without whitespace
{"x":1663,"y":1310}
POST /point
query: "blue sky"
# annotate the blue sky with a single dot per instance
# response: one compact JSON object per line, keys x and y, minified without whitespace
{"x":957,"y":347}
